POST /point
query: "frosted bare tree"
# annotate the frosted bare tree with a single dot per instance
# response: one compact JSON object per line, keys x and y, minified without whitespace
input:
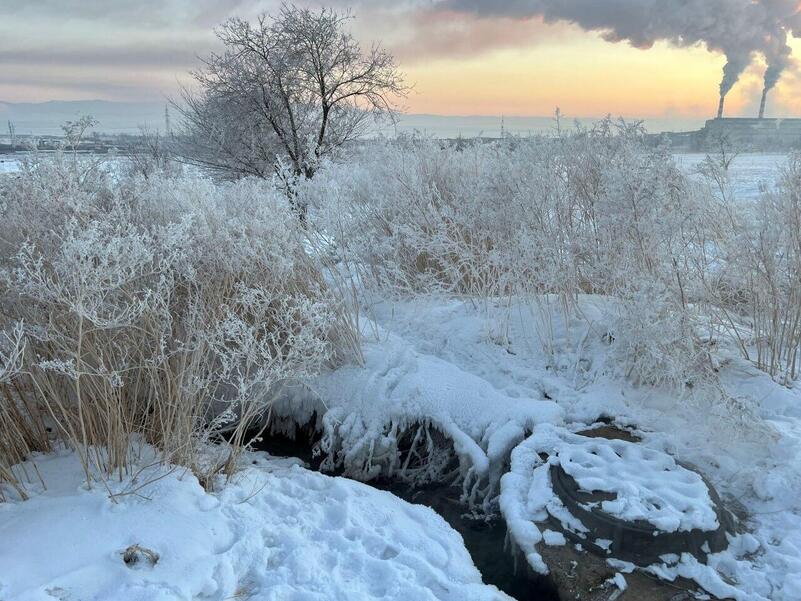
{"x":288,"y":91}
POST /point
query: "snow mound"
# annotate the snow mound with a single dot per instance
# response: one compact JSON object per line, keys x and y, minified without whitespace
{"x":276,"y":532}
{"x":633,"y":474}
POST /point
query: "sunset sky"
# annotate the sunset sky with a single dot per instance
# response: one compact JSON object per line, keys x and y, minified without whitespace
{"x":460,"y":63}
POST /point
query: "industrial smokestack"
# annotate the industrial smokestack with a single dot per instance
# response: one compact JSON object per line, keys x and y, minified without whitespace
{"x":720,"y":106}
{"x":762,"y":104}
{"x":739,"y":29}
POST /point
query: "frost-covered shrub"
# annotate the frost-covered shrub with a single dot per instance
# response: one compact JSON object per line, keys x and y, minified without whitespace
{"x":598,"y":211}
{"x":575,"y":213}
{"x":654,"y":340}
{"x":757,"y":288}
{"x":170,"y":308}
{"x":418,"y":216}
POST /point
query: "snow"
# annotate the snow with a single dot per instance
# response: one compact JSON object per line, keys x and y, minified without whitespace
{"x":619,"y":581}
{"x":603,"y":543}
{"x":553,"y":539}
{"x":480,"y":375}
{"x":648,"y":485}
{"x":8,"y":166}
{"x":625,"y":567}
{"x":527,"y":497}
{"x":402,"y":384}
{"x":748,"y":172}
{"x":477,"y":369}
{"x":276,"y":532}
{"x":493,"y":377}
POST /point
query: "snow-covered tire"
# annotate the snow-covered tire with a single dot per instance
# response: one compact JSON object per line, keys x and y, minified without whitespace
{"x":638,"y":541}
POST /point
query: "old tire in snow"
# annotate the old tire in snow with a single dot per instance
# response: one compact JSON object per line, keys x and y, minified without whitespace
{"x":637,"y":541}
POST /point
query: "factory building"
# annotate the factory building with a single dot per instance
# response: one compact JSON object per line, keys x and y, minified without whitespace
{"x":755,"y":133}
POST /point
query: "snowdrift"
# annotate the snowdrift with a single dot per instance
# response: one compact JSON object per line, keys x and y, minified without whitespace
{"x":276,"y":532}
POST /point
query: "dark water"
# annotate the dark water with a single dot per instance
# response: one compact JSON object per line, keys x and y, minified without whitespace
{"x":484,"y":539}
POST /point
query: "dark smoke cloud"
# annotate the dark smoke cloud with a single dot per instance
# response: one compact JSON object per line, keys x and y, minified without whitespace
{"x":740,"y":29}
{"x":778,"y":57}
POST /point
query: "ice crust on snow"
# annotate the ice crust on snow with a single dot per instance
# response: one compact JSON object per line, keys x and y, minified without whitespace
{"x":276,"y":532}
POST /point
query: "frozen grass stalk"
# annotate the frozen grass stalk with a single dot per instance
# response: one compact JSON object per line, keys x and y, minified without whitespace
{"x":170,"y":311}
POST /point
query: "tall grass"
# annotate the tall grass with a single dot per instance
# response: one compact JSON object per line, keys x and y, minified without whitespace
{"x":169,"y":311}
{"x":597,"y":212}
{"x":600,"y":211}
{"x":759,"y":277}
{"x":173,"y":310}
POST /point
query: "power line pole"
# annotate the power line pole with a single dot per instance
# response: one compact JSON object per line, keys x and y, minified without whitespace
{"x":167,"y":125}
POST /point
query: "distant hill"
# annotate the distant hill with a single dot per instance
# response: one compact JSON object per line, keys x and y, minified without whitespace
{"x":45,"y":118}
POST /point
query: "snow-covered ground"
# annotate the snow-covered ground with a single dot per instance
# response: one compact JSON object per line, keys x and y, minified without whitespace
{"x":486,"y":376}
{"x":748,"y":172}
{"x":480,"y":374}
{"x":277,"y":532}
{"x":8,"y":165}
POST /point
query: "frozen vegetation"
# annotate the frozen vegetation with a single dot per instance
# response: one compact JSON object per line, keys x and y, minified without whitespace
{"x":446,"y":313}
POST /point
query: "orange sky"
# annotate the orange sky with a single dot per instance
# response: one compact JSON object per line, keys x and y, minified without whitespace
{"x":458,"y":66}
{"x":585,"y":75}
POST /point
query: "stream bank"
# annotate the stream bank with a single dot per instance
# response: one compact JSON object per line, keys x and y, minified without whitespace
{"x":574,"y":574}
{"x":485,"y":539}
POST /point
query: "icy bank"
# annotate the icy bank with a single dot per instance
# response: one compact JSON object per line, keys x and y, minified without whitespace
{"x":400,"y":391}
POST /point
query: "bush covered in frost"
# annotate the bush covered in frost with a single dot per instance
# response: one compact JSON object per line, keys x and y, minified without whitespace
{"x":595,"y":212}
{"x":755,"y":286}
{"x":170,"y":308}
{"x":176,"y":308}
{"x":599,"y":211}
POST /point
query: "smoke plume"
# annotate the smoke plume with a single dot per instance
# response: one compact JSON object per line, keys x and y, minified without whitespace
{"x":740,"y":29}
{"x":778,"y":59}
